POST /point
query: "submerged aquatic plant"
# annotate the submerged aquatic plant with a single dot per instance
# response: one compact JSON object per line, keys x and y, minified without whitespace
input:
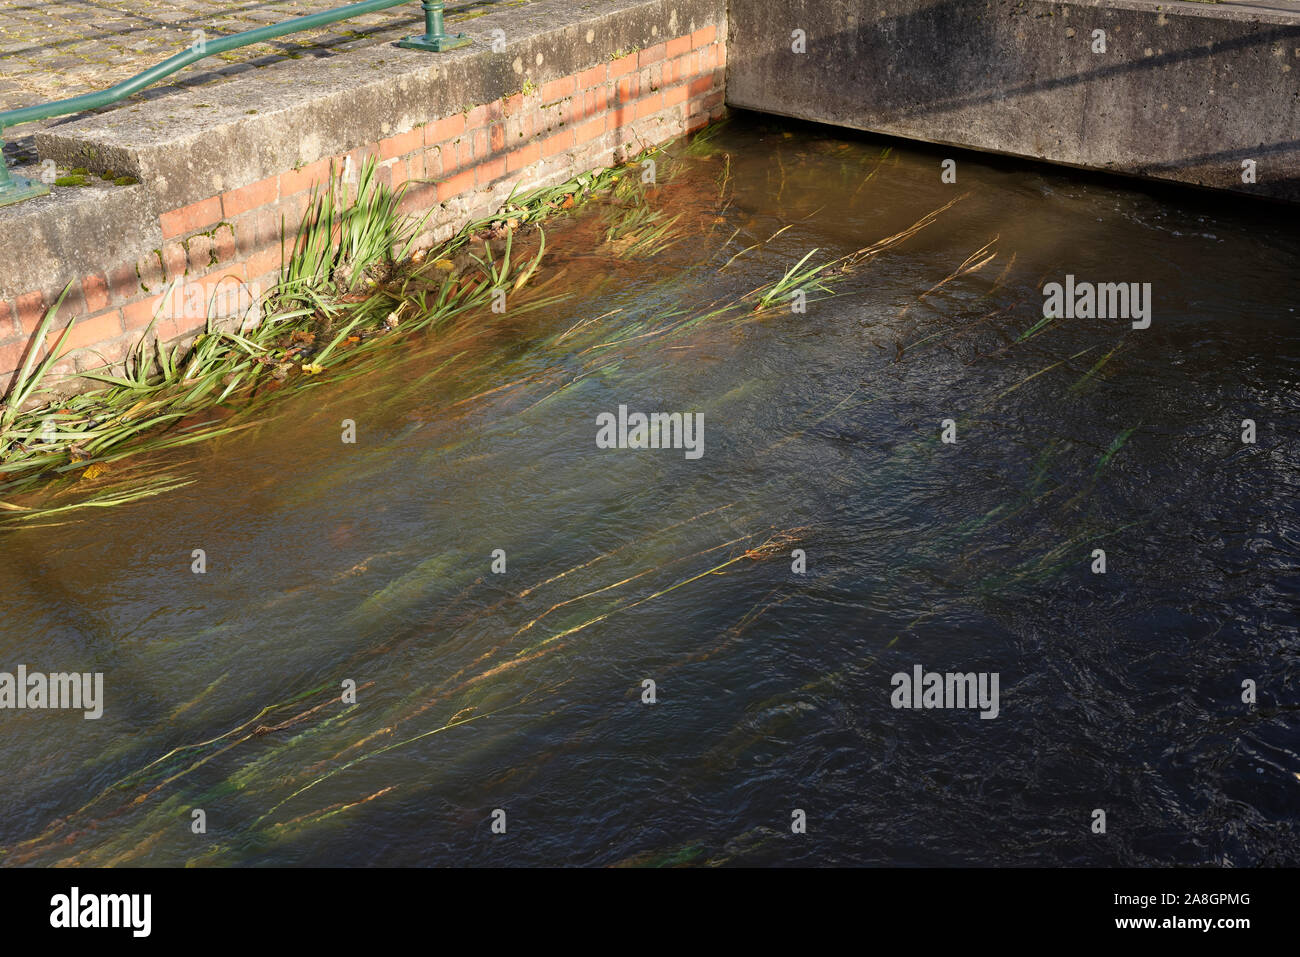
{"x":246,"y":756}
{"x":639,"y":232}
{"x":300,"y":779}
{"x":634,"y":229}
{"x":797,"y":279}
{"x":351,"y":278}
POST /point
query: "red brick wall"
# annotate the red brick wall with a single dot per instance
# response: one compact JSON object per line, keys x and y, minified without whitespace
{"x":462,"y":166}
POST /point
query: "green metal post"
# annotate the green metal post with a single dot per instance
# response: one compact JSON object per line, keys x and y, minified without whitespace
{"x":436,"y":38}
{"x":15,"y":189}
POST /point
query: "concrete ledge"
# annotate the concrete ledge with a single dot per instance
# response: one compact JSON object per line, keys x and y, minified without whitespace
{"x":1184,"y":91}
{"x":88,"y":228}
{"x":203,"y":142}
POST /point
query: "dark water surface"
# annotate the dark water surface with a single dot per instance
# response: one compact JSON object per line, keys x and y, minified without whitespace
{"x":523,"y":691}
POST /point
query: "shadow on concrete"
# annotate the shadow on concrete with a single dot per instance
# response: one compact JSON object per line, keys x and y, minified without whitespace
{"x":1022,"y":79}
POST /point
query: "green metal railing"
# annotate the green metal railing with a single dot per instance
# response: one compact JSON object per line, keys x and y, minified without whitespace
{"x":15,"y":189}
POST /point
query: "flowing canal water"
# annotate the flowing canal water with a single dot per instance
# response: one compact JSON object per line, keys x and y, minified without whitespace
{"x":500,"y":589}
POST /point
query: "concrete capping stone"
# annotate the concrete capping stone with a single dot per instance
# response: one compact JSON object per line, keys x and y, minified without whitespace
{"x":210,"y":140}
{"x":47,"y":242}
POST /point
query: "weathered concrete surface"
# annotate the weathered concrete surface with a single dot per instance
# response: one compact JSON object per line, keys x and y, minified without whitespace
{"x":197,"y":143}
{"x":1183,"y":91}
{"x":51,"y":241}
{"x":200,"y":142}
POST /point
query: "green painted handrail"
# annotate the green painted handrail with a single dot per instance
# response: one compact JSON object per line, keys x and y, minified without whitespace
{"x":14,"y":189}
